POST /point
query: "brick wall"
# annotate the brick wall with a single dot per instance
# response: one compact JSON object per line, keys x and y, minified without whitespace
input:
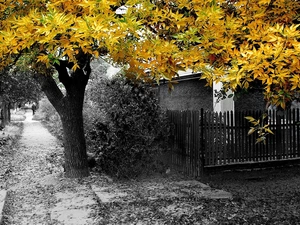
{"x":192,"y":94}
{"x":253,"y":100}
{"x":187,"y":95}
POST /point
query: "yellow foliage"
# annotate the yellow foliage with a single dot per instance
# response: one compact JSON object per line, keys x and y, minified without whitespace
{"x":234,"y":42}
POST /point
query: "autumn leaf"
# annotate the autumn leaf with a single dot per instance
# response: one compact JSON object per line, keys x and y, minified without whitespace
{"x":241,"y":42}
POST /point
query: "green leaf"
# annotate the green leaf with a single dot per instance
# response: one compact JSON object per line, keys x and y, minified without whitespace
{"x":230,"y":96}
{"x":56,"y":61}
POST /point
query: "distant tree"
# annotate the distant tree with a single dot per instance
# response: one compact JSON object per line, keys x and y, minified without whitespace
{"x":17,"y":87}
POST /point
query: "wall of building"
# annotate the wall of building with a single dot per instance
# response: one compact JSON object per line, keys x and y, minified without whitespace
{"x":191,"y":94}
{"x":223,"y":105}
{"x":252,"y":100}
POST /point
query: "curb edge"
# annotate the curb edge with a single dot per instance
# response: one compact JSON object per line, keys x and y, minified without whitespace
{"x":3,"y":196}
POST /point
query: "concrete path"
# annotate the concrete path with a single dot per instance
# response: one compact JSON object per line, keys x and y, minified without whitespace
{"x":38,"y":193}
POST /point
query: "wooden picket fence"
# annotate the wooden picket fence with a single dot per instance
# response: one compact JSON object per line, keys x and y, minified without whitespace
{"x":202,"y":140}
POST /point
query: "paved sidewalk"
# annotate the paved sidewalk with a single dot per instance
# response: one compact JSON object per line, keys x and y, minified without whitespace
{"x":38,"y":192}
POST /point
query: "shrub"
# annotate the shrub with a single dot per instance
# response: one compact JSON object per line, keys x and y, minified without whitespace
{"x":130,"y":130}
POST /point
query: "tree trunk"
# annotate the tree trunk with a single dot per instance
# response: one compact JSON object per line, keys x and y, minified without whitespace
{"x":74,"y":139}
{"x":5,"y":114}
{"x":69,"y":106}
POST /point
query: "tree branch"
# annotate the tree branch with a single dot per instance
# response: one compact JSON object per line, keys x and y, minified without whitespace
{"x":84,"y":62}
{"x":50,"y":88}
{"x":63,"y":74}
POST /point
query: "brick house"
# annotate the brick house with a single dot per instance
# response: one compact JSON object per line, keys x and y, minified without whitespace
{"x":190,"y":93}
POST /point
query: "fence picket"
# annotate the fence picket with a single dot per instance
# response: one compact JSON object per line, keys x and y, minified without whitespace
{"x":293,"y":143}
{"x":201,"y":144}
{"x":188,"y":149}
{"x":197,"y":152}
{"x":201,"y":139}
{"x":274,"y":139}
{"x":297,"y":130}
{"x":208,"y":135}
{"x":241,"y":136}
{"x":224,"y":139}
{"x":227,"y":121}
{"x":210,"y":139}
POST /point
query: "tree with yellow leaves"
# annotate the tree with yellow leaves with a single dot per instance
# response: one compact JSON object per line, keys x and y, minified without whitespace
{"x":235,"y":42}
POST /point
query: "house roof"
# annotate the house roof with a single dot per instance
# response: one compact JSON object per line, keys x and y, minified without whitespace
{"x":184,"y":76}
{"x":112,"y":70}
{"x":187,"y":75}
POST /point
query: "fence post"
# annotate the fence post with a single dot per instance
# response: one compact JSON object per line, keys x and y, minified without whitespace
{"x":202,"y":143}
{"x":195,"y":146}
{"x":278,"y":136}
{"x":170,"y":140}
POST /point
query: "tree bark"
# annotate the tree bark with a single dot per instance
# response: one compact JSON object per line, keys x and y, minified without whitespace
{"x":74,"y":139}
{"x":69,"y":106}
{"x":5,"y":114}
{"x":72,"y":120}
